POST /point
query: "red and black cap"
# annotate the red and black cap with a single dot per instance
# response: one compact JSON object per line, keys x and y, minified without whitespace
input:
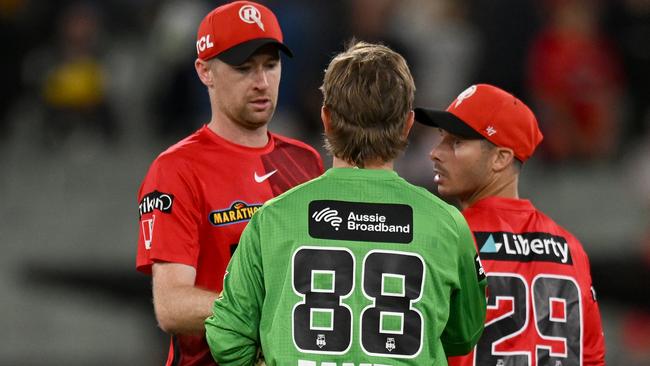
{"x":234,"y":31}
{"x":485,"y":111}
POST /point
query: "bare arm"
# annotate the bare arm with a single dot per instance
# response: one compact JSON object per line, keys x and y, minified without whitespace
{"x":179,"y":306}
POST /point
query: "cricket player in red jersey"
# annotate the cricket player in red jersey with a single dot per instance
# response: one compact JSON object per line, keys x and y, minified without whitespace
{"x":542,"y":307}
{"x":199,"y":194}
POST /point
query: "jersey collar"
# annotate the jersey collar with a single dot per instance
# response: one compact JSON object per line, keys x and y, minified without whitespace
{"x":513,"y":204}
{"x":236,"y":147}
{"x":357,"y":173}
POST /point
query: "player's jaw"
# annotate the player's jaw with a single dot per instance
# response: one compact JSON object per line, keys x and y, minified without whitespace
{"x":443,"y":180}
{"x":454,"y":177}
{"x":257,"y":111}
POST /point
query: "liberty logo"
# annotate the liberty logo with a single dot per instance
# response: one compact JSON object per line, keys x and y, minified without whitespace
{"x":328,"y":215}
{"x":490,"y":246}
{"x":250,"y":14}
{"x":524,"y":247}
{"x":464,"y":95}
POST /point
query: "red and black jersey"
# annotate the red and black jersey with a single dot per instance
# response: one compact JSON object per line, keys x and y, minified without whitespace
{"x":542,"y":308}
{"x":195,"y":201}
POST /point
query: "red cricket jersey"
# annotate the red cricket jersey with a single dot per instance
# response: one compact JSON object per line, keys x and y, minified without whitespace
{"x":197,"y":198}
{"x":542,"y":308}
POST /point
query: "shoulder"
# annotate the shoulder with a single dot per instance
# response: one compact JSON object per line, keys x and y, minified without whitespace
{"x":175,"y":164}
{"x":432,"y":208}
{"x":551,"y":226}
{"x":185,"y":150}
{"x":431,"y":202}
{"x":293,"y":194}
{"x":283,"y":141}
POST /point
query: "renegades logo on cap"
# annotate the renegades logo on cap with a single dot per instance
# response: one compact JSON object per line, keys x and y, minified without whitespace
{"x":234,"y":31}
{"x":249,"y":14}
{"x":464,"y":95}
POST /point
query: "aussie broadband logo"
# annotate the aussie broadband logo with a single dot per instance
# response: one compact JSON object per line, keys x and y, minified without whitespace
{"x":328,"y":215}
{"x":361,"y":221}
{"x":525,"y":247}
{"x":239,"y":211}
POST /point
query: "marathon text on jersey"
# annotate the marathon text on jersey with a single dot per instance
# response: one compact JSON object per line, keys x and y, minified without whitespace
{"x":239,"y":211}
{"x":360,"y":221}
{"x":524,"y":247}
{"x":156,"y":201}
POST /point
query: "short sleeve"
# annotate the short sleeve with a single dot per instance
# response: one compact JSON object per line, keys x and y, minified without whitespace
{"x":169,"y":214}
{"x":232,"y":332}
{"x":467,"y":306}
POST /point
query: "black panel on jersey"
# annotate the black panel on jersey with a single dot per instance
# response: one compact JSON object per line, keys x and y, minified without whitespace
{"x":360,"y":221}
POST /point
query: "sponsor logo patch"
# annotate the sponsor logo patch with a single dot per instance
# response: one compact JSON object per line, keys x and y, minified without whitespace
{"x":526,"y":247}
{"x":358,"y":221}
{"x":239,"y":211}
{"x":260,"y":179}
{"x":480,"y":271}
{"x":147,"y":231}
{"x":156,"y":201}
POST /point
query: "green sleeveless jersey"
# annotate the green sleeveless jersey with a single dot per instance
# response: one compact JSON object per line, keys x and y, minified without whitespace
{"x":356,"y":267}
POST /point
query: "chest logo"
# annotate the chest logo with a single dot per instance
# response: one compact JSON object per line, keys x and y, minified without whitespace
{"x":260,"y":179}
{"x":239,"y":211}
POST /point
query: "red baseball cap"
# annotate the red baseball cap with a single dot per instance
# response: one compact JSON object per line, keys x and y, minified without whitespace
{"x":485,"y":111}
{"x":234,"y":31}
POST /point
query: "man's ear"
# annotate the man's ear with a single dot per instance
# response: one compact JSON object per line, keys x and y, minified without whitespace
{"x":503,"y":158}
{"x":326,"y":117}
{"x":204,"y":71}
{"x":410,"y":118}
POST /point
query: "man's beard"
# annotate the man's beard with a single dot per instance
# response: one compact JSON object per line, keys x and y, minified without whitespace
{"x":252,"y":120}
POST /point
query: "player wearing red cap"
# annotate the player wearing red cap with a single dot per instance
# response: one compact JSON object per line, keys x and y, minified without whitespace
{"x":199,"y":194}
{"x":542,"y":308}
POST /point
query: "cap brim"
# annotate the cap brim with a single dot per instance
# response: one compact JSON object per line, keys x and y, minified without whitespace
{"x":446,"y":121}
{"x":238,"y":54}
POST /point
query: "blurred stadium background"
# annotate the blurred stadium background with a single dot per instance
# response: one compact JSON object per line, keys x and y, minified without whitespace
{"x":92,"y":91}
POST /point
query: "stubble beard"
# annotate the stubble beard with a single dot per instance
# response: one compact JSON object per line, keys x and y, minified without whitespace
{"x":251,"y":120}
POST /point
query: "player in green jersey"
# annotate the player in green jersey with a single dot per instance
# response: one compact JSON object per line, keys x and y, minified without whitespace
{"x":356,"y":266}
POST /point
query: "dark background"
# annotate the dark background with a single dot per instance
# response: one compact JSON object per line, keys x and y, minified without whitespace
{"x":92,"y":91}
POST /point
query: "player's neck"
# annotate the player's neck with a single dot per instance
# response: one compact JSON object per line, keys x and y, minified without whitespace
{"x":239,"y":134}
{"x":505,"y":187}
{"x":340,"y":163}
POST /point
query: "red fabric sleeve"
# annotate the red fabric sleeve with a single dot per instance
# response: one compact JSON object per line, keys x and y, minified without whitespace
{"x":169,"y":215}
